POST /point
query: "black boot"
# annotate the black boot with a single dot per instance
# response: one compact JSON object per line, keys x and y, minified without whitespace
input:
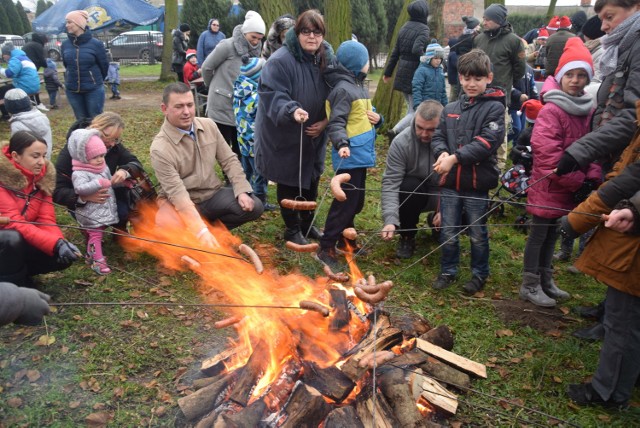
{"x":294,"y":235}
{"x":311,"y":232}
{"x":593,"y":332}
{"x":591,"y":312}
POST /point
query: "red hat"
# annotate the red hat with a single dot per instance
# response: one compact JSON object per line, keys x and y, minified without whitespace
{"x":531,"y":109}
{"x":565,"y":22}
{"x":574,"y":55}
{"x":554,"y":24}
{"x":543,"y":33}
{"x":190,"y":53}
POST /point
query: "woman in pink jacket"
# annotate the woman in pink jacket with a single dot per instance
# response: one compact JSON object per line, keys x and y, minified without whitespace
{"x":565,"y":117}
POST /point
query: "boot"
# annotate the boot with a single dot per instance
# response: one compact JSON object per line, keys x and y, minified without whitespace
{"x":549,"y":286}
{"x":593,"y":332}
{"x":294,"y":235}
{"x":531,"y":291}
{"x":311,"y":232}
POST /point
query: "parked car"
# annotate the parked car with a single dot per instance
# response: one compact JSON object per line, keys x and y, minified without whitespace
{"x":142,"y":45}
{"x":52,"y":48}
{"x":16,"y":40}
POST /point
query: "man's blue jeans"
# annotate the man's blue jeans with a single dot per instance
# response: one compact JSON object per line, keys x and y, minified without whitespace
{"x":86,"y":105}
{"x":474,"y":204}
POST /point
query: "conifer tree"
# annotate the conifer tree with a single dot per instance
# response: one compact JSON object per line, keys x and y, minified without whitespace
{"x":170,"y":23}
{"x":4,"y":21}
{"x":270,"y":10}
{"x":26,"y":25}
{"x":15,"y":24}
{"x":338,"y":21}
{"x":41,"y":6}
{"x":369,"y":24}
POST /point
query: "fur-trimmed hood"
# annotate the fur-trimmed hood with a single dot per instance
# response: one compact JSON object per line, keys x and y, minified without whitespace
{"x":293,"y":45}
{"x":12,"y":177}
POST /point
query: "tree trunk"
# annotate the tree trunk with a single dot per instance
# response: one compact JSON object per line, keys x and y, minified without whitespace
{"x":170,"y":22}
{"x":552,"y":9}
{"x":270,"y":10}
{"x":338,"y":21}
{"x":436,"y":21}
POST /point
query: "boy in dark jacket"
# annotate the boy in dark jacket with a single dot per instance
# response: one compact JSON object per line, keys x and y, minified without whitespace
{"x":52,"y":82}
{"x":465,"y":143}
{"x":351,"y":130}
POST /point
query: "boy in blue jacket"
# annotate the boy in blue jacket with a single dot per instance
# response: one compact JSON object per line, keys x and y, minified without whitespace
{"x":351,"y":129}
{"x":464,"y":145}
{"x":428,"y":81}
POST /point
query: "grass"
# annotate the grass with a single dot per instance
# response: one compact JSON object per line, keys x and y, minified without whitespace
{"x":131,"y":364}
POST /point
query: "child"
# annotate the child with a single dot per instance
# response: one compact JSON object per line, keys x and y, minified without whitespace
{"x":565,"y":117}
{"x":428,"y":81}
{"x":350,"y":129}
{"x":51,"y":82}
{"x":21,"y":70}
{"x":191,"y":71}
{"x":465,"y":144}
{"x":25,"y":117}
{"x":245,"y":107}
{"x":523,"y":90}
{"x":90,"y":174}
{"x":113,"y":77}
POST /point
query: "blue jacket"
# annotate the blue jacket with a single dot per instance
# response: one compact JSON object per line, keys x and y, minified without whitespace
{"x":85,"y":59}
{"x":23,"y":72}
{"x":113,"y":73}
{"x":526,"y":85}
{"x":347,"y":105}
{"x":207,"y":42}
{"x":428,"y":84}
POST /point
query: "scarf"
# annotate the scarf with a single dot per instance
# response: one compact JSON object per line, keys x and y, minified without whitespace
{"x":576,"y":106}
{"x":618,"y":42}
{"x":81,"y":166}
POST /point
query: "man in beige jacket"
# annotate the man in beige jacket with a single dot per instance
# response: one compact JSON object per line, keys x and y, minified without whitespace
{"x":183,"y":155}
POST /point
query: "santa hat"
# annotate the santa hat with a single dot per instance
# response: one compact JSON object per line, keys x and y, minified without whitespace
{"x":531,"y":108}
{"x":554,"y":23}
{"x":575,"y":55}
{"x":543,"y":34}
{"x":190,"y":53}
{"x":565,"y":22}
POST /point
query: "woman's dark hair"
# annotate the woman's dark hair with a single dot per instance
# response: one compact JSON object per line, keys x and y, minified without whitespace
{"x":22,"y":140}
{"x":312,"y":19}
{"x":625,"y":4}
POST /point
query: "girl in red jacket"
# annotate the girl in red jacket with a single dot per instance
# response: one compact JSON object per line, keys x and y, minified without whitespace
{"x":565,"y":117}
{"x":31,"y":243}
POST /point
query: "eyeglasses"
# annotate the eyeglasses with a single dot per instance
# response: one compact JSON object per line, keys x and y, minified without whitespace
{"x":215,"y":25}
{"x":308,"y":32}
{"x":114,"y":141}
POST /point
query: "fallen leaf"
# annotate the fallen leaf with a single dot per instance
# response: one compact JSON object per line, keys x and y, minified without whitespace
{"x":503,"y":333}
{"x":604,"y":418}
{"x":528,"y":355}
{"x":81,"y":282}
{"x":64,"y":350}
{"x":142,"y":314}
{"x":503,"y":403}
{"x":98,"y":419}
{"x":19,"y":375}
{"x":135,"y":294}
{"x":74,"y":404}
{"x":33,"y":375}
{"x":557,"y":379}
{"x":118,"y":392}
{"x":45,"y":340}
{"x":14,"y":402}
{"x":160,"y":411}
{"x":515,"y":360}
{"x":564,"y":310}
{"x":99,"y":406}
{"x":554,"y":333}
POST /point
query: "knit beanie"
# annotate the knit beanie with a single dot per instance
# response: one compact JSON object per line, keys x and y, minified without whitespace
{"x":592,"y":28}
{"x":543,"y":34}
{"x":17,"y":101}
{"x":7,"y":47}
{"x":78,"y":141}
{"x":565,"y":22}
{"x":190,"y":53}
{"x":496,"y":13}
{"x":471,"y":22}
{"x":253,"y":23}
{"x":574,"y":55}
{"x":434,"y":50}
{"x":95,"y":147}
{"x":184,"y":28}
{"x":554,"y":23}
{"x":352,"y":55}
{"x":531,"y":108}
{"x":78,"y":17}
{"x":251,"y":67}
{"x":578,"y":19}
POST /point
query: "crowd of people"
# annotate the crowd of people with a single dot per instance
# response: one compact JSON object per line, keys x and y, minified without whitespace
{"x":276,"y":98}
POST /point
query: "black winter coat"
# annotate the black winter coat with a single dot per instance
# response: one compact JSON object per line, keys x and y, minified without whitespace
{"x":554,"y":48}
{"x":35,"y":50}
{"x":473,"y":129}
{"x":411,"y":43}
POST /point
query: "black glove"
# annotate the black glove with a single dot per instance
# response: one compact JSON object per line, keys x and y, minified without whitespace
{"x":565,"y":229}
{"x":584,"y":191}
{"x":66,"y":252}
{"x":567,"y":164}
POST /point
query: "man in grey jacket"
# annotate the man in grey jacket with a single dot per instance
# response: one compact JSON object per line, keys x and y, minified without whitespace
{"x":409,"y":184}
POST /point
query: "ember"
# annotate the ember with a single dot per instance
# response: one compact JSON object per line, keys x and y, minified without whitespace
{"x":307,"y":360}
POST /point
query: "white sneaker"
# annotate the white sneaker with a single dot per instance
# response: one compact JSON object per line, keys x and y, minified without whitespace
{"x":42,"y":107}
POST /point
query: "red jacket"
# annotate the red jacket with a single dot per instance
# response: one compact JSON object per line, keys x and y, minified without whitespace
{"x":25,"y":197}
{"x":190,"y":72}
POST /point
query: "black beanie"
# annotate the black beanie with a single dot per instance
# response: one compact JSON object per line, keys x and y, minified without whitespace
{"x":591,"y":28}
{"x":471,"y":22}
{"x":17,"y":101}
{"x":496,"y":13}
{"x":184,"y":28}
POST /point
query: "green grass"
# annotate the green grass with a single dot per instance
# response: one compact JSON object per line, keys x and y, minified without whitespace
{"x":131,"y":362}
{"x":140,"y":70}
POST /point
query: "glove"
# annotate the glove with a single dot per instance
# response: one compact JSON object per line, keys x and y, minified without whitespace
{"x":567,"y":164}
{"x":22,"y":305}
{"x":565,"y":229}
{"x":584,"y":191}
{"x":66,"y":252}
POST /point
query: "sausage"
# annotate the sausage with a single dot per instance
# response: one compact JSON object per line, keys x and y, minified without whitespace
{"x":308,"y":248}
{"x":227,"y":322}
{"x":369,"y":298}
{"x":5,"y":220}
{"x":371,"y":292}
{"x":336,"y":190}
{"x":338,"y":277}
{"x":350,"y":233}
{"x":316,"y":307}
{"x":255,"y":259}
{"x":193,"y":263}
{"x":298,"y":205}
{"x":381,"y":357}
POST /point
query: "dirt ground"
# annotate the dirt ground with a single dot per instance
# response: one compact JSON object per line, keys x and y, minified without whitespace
{"x":526,"y":314}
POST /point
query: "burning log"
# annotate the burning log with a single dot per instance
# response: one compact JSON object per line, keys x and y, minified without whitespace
{"x":250,"y":416}
{"x":343,"y":417}
{"x":214,"y":365}
{"x":281,"y":388}
{"x":395,"y":388}
{"x":341,"y":313}
{"x":440,"y":336}
{"x":306,"y":408}
{"x":250,"y":374}
{"x":330,"y":382}
{"x":375,"y":413}
{"x":411,"y":325}
{"x":414,"y":357}
{"x":202,"y":382}
{"x":462,"y":363}
{"x":201,"y":402}
{"x":439,"y":396}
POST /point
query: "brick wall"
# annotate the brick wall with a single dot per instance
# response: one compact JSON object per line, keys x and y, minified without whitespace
{"x":454,"y":10}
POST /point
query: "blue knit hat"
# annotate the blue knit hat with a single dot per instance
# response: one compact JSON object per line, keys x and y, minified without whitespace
{"x":352,"y":55}
{"x":251,"y":67}
{"x":434,"y":50}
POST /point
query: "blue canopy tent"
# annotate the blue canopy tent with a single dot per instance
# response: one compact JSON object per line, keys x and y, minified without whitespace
{"x":103,"y":14}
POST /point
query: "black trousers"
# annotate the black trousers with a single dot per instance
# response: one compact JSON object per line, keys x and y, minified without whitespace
{"x":294,"y":219}
{"x":230,"y":135}
{"x":413,"y":204}
{"x":19,"y":261}
{"x":342,"y":214}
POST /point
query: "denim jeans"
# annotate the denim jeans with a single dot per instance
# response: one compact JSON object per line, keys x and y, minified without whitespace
{"x":474,"y":204}
{"x":86,"y":104}
{"x":52,"y":97}
{"x":258,"y":182}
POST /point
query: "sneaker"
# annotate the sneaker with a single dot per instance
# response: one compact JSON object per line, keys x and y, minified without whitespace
{"x":100,"y":266}
{"x":573,"y":269}
{"x":53,"y":107}
{"x":561,"y":256}
{"x":474,"y":285}
{"x":327,"y":256}
{"x":406,"y":247}
{"x":42,"y":108}
{"x":269,"y":207}
{"x":117,"y":97}
{"x":443,"y":281}
{"x":583,"y":394}
{"x":341,"y":247}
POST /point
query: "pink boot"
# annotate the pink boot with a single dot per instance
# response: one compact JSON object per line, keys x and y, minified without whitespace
{"x":95,"y":258}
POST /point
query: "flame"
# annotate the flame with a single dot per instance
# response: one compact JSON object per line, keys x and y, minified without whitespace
{"x":424,"y":407}
{"x":226,"y":277}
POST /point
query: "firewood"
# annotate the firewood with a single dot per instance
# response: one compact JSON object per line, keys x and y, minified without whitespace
{"x":306,"y":408}
{"x":341,"y":313}
{"x":411,"y":325}
{"x":204,"y":400}
{"x":384,"y":417}
{"x":281,"y":388}
{"x":214,"y":365}
{"x":207,"y":421}
{"x":462,"y":363}
{"x":250,"y":375}
{"x":439,"y":396}
{"x":202,"y":382}
{"x":415,"y":357}
{"x":440,"y":336}
{"x":395,"y":388}
{"x":445,"y":373}
{"x":248,"y":417}
{"x":330,"y":381}
{"x":343,"y":417}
